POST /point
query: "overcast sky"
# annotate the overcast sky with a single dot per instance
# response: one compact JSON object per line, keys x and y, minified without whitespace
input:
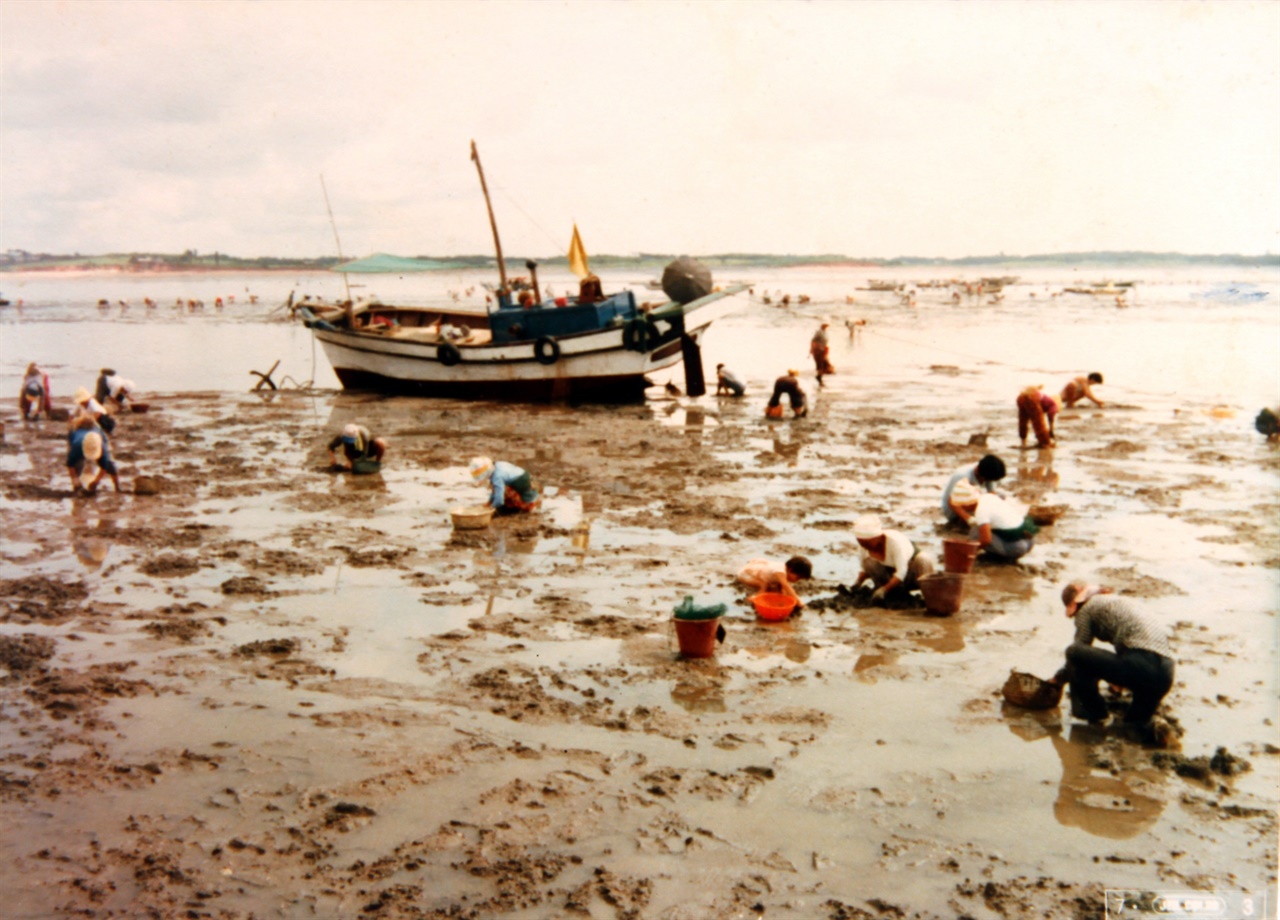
{"x":859,"y":128}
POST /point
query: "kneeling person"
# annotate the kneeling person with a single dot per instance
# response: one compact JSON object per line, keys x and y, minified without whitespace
{"x":889,"y":559}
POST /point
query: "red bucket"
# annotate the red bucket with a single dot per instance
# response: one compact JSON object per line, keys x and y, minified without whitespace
{"x":942,"y":592}
{"x":697,"y":638}
{"x":958,"y":555}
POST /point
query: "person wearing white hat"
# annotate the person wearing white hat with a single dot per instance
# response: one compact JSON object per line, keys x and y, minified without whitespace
{"x":984,"y":474}
{"x":89,"y":457}
{"x":88,"y":407}
{"x":999,"y":524}
{"x":511,"y":487}
{"x":363,"y":452}
{"x":892,"y":562}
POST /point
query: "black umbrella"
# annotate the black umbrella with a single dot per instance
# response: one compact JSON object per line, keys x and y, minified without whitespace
{"x":686,"y":279}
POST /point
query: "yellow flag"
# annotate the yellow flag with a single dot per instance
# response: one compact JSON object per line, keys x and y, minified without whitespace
{"x":578,"y":255}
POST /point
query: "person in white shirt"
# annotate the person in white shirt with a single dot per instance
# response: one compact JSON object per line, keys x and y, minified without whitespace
{"x":999,"y":524}
{"x":889,"y":559}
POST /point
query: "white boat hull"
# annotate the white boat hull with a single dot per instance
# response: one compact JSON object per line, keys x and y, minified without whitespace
{"x":593,"y":365}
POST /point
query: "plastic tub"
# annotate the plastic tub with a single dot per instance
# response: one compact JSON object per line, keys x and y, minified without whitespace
{"x":773,"y":606}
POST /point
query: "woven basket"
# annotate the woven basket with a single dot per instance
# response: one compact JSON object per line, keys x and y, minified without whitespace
{"x":1030,"y":692}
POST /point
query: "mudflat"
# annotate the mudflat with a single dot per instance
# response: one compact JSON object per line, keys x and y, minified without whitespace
{"x":269,"y":689}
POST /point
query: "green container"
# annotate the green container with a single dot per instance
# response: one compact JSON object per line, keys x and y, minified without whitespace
{"x":690,"y":611}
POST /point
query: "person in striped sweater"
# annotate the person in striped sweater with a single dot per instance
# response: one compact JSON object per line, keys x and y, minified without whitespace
{"x":1141,"y":660}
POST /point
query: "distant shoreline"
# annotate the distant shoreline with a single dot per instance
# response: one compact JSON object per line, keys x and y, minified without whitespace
{"x":153,"y":265}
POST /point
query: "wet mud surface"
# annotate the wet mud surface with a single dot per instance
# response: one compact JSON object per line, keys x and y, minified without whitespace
{"x":274,"y":690}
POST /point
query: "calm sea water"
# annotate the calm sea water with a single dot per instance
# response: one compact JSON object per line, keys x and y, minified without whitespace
{"x":1192,"y":336}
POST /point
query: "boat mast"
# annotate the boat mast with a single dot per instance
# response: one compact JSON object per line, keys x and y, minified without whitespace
{"x":332,"y":223}
{"x":497,"y":244}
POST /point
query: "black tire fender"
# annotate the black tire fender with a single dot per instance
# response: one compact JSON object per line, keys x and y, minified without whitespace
{"x":546,"y":350}
{"x":639,"y":334}
{"x":447,"y":354}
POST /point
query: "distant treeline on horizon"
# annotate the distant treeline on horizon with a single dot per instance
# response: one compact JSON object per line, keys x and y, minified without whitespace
{"x":21,"y":260}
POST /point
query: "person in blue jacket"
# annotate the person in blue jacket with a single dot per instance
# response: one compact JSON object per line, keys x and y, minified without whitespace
{"x":89,"y":457}
{"x":511,"y":487}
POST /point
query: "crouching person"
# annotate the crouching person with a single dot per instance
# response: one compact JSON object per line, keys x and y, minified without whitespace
{"x":892,"y":562}
{"x":776,"y":578}
{"x":89,"y":458}
{"x":511,"y":487}
{"x":363,"y":452}
{"x":1142,"y":660}
{"x":1000,"y":525}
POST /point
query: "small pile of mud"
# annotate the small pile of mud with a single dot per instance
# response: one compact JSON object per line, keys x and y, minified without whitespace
{"x":25,"y":653}
{"x":846,"y":599}
{"x":1223,"y":763}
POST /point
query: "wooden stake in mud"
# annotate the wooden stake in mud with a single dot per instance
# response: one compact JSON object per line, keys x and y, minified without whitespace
{"x":497,"y":244}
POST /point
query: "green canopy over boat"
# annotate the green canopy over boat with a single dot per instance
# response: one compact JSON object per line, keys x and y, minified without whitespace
{"x":391,"y":265}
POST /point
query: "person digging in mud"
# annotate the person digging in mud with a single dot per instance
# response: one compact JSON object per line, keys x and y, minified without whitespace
{"x":89,"y":458}
{"x":512,"y":488}
{"x":87,"y":406}
{"x":820,"y":350}
{"x":33,"y":397}
{"x":1000,"y":525}
{"x":361,"y":449}
{"x":984,"y":474}
{"x":788,"y":384}
{"x":1037,"y":411}
{"x":893,"y":563}
{"x":112,"y":388}
{"x":727,"y":382}
{"x":1081,"y":388}
{"x":1142,"y":661}
{"x":769,"y":576}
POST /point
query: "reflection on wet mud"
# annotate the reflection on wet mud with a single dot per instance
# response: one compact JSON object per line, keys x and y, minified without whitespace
{"x":1040,"y":475}
{"x":870,"y":661}
{"x":1094,"y":795}
{"x":699,"y":693}
{"x":580,"y":539}
{"x":90,"y":541}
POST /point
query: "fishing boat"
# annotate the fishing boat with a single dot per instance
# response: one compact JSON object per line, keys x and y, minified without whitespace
{"x":588,"y":347}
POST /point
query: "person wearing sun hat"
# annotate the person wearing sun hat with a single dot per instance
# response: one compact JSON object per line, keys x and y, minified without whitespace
{"x":893,"y":563}
{"x":363,"y":452}
{"x":89,"y":457}
{"x":788,"y":384}
{"x":88,"y":407}
{"x":984,"y":474}
{"x":999,"y":524}
{"x":511,"y":487}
